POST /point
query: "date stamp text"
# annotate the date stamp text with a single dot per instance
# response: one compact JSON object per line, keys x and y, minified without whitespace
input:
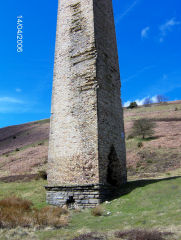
{"x":19,"y":34}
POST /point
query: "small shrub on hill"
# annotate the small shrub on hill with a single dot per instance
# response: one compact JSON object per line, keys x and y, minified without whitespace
{"x":140,"y":144}
{"x":132,"y":105}
{"x":161,"y":99}
{"x":97,"y":211}
{"x":42,"y":175}
{"x":50,"y":216}
{"x":143,"y":127}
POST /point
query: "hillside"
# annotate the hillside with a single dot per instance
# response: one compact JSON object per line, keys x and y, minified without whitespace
{"x":24,"y":148}
{"x":161,"y":153}
{"x":150,"y":204}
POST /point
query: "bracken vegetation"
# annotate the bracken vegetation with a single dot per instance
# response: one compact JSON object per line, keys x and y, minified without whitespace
{"x":97,"y":211}
{"x":42,"y":175}
{"x":16,"y":212}
{"x":139,"y":235}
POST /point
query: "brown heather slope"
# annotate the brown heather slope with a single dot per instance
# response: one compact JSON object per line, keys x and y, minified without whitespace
{"x":24,"y":148}
{"x":161,"y":153}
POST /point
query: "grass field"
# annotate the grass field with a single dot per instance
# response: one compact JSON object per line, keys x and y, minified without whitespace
{"x":146,"y":204}
{"x":33,"y":191}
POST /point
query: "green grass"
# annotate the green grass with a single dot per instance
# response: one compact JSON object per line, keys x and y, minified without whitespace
{"x":132,"y":144}
{"x":33,"y":191}
{"x":145,"y":204}
{"x":141,"y":204}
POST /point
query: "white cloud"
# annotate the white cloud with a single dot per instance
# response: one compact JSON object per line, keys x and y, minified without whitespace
{"x":154,"y":99}
{"x":140,"y":102}
{"x":145,"y":32}
{"x":10,"y":100}
{"x":126,"y":104}
{"x":130,"y":8}
{"x":167,"y":27}
{"x":18,"y":90}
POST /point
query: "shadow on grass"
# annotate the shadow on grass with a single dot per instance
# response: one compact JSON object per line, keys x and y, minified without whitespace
{"x":166,"y":119}
{"x":130,"y":186}
{"x":19,"y":178}
{"x":150,"y":138}
{"x":146,"y":139}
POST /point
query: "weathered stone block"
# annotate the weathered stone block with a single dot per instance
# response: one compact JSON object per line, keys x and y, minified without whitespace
{"x":91,"y":196}
{"x":94,"y":201}
{"x":81,"y":197}
{"x":84,"y":201}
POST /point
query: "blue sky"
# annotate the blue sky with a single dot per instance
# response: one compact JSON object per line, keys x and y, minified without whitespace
{"x":148,"y":35}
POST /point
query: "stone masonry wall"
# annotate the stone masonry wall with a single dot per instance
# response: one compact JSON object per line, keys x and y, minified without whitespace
{"x":111,"y":142}
{"x":78,"y":196}
{"x":87,"y":144}
{"x":73,"y":147}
